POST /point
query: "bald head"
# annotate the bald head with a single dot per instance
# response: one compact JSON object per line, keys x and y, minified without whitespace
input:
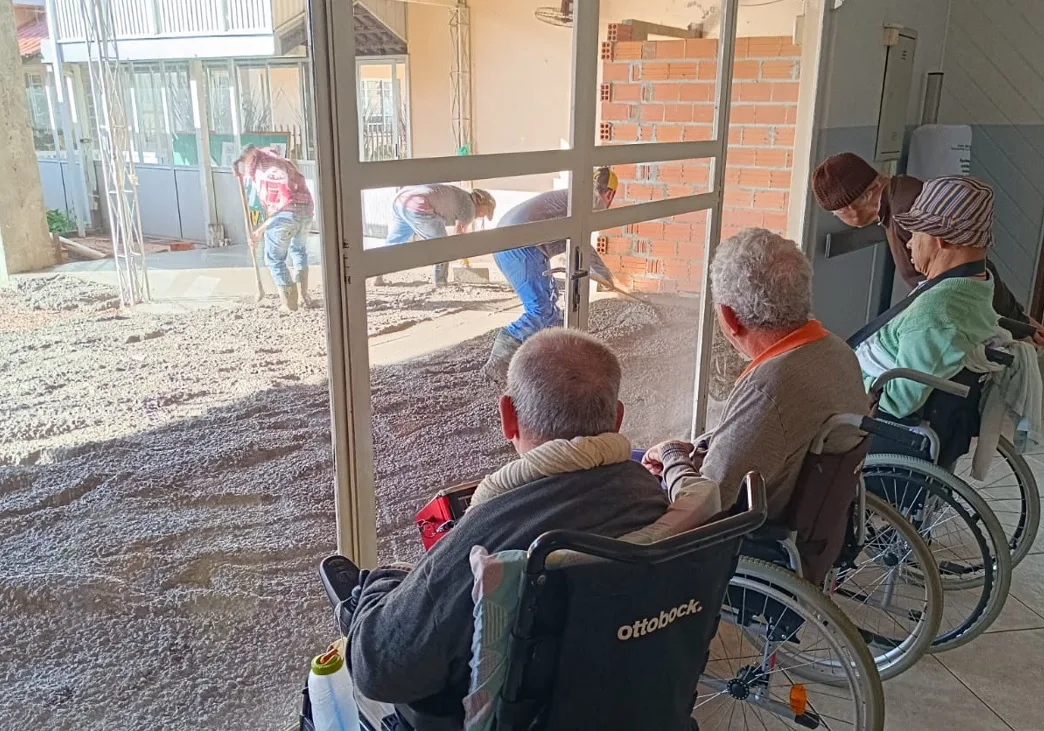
{"x":564,"y":384}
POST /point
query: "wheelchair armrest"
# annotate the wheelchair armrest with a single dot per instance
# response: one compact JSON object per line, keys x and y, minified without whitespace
{"x":891,"y":432}
{"x":999,"y":356}
{"x":1018,"y":330}
{"x":940,"y":384}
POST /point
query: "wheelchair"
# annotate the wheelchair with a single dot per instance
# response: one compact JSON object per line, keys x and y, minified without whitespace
{"x":850,"y":546}
{"x":600,"y":640}
{"x":970,"y":546}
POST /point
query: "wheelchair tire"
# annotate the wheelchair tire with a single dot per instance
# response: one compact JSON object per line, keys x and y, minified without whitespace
{"x":774,"y":593}
{"x":1001,"y":491}
{"x":893,"y":543}
{"x":986,"y":565}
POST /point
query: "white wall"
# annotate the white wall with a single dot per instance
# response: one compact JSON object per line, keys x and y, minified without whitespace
{"x":995,"y":82}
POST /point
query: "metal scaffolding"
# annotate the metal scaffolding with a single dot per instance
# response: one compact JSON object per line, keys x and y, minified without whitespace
{"x":460,"y":73}
{"x":117,"y":160}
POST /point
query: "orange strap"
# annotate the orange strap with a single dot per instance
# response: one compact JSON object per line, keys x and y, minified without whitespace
{"x":810,"y":332}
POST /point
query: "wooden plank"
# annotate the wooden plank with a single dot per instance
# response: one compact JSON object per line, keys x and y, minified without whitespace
{"x":641,"y":30}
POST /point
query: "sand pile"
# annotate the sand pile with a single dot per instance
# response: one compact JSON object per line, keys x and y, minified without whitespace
{"x":164,"y":501}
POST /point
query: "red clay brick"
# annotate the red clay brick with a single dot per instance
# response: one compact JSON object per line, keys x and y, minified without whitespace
{"x":646,"y":284}
{"x":677,"y":232}
{"x":633,"y":264}
{"x":778,"y":70}
{"x":701,"y":48}
{"x":781,"y":179}
{"x":618,"y":245}
{"x":650,"y":113}
{"x":762,"y":46}
{"x":773,"y":158}
{"x":785,"y":91}
{"x":754,"y":178}
{"x":752,"y":92}
{"x":708,"y":71}
{"x":649,"y":229}
{"x":691,"y":286}
{"x":666,"y":92}
{"x":626,"y":172}
{"x":742,"y":157}
{"x":742,"y":114}
{"x":784,"y":137}
{"x":670,"y":49}
{"x":703,"y":113}
{"x":668,"y":133}
{"x":663,"y":249}
{"x":648,"y":49}
{"x":743,"y":217}
{"x":676,"y":269}
{"x":735,"y":135}
{"x":668,"y":286}
{"x":789,"y":50}
{"x":638,"y":192}
{"x":756,"y":136}
{"x":627,"y":92}
{"x":653,"y":71}
{"x":776,"y":222}
{"x":691,"y":250}
{"x":770,"y":114}
{"x":654,"y":266}
{"x":612,"y":261}
{"x":791,"y":115}
{"x":677,"y":113}
{"x":627,"y":51}
{"x":697,"y":92}
{"x":640,"y":247}
{"x":738,"y":198}
{"x":732,"y":176}
{"x":697,"y":132}
{"x":770,"y":199}
{"x":669,"y":172}
{"x":616,"y":71}
{"x":625,"y":132}
{"x":742,"y":47}
{"x":679,"y":191}
{"x":616,"y":112}
{"x":682,"y":70}
{"x":745,"y":69}
{"x":728,"y":230}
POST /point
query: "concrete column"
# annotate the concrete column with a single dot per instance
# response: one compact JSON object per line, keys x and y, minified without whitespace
{"x":201,"y":122}
{"x":25,"y":244}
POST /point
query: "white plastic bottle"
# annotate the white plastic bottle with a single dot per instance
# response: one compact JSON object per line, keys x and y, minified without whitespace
{"x":332,"y":694}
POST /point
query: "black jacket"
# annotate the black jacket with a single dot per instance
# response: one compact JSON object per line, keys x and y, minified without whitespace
{"x":410,"y":636}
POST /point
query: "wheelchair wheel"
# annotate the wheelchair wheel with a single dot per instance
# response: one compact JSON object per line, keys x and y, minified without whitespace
{"x":965,"y":538}
{"x":785,"y":657}
{"x":890,"y":590}
{"x":1011,"y":492}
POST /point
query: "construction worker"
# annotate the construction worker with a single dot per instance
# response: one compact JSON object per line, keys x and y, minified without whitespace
{"x":526,"y":270}
{"x":427,"y":210}
{"x":288,"y":208}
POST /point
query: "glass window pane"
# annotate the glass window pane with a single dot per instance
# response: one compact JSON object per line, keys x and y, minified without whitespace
{"x":254,"y":104}
{"x":148,"y":114}
{"x":219,"y":103}
{"x":179,"y":106}
{"x":287,"y":113}
{"x":39,"y":115}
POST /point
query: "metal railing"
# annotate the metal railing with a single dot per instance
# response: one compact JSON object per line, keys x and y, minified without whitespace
{"x":159,"y":18}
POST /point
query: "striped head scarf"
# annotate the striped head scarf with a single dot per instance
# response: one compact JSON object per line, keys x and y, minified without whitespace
{"x":959,"y":210}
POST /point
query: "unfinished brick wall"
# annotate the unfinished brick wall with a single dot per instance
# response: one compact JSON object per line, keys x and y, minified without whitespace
{"x":663,"y":91}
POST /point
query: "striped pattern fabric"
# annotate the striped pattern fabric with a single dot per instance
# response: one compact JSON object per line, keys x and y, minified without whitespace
{"x":959,"y":210}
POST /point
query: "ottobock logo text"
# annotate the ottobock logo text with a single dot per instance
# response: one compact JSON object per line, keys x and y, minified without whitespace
{"x":645,"y":626}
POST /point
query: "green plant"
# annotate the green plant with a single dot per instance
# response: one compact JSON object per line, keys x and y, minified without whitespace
{"x":59,"y":222}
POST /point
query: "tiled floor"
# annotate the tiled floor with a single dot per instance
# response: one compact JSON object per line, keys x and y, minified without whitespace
{"x":994,"y":682}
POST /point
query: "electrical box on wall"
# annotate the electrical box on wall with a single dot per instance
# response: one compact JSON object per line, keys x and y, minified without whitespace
{"x":895,"y":92}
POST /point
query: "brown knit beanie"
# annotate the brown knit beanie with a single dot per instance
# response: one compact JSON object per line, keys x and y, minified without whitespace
{"x":841,"y":179}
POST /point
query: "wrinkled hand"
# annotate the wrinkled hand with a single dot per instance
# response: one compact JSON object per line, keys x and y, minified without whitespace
{"x":1038,"y":335}
{"x":652,"y":460}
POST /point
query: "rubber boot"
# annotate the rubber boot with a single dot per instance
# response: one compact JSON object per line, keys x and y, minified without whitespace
{"x":301,"y":279}
{"x":496,"y":368}
{"x":288,"y":298}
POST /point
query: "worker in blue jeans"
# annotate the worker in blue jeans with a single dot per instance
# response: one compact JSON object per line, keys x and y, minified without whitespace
{"x":526,"y":270}
{"x":426,"y":211}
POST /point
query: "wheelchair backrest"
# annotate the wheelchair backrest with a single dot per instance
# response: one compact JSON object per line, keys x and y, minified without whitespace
{"x":616,"y":635}
{"x":820,"y":506}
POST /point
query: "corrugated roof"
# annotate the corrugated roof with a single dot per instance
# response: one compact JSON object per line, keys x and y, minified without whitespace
{"x":30,"y":36}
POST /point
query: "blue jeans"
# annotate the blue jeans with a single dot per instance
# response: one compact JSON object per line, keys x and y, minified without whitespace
{"x":286,"y":236}
{"x":525,"y":271}
{"x":407,"y":224}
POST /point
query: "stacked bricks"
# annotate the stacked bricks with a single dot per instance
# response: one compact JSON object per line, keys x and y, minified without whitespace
{"x":663,"y":91}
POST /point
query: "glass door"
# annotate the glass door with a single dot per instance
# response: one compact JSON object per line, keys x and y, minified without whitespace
{"x":411,"y":412}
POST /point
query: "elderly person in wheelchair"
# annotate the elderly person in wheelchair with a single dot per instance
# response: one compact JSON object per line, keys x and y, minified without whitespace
{"x":409,"y":632}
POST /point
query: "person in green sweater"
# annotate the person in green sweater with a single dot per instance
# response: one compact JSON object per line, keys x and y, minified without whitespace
{"x":951,"y":313}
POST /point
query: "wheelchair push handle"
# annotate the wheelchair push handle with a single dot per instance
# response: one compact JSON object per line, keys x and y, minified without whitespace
{"x":894,"y":433}
{"x":940,"y":384}
{"x":1018,"y":330}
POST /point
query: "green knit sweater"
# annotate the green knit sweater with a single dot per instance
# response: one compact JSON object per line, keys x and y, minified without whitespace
{"x":933,"y":335}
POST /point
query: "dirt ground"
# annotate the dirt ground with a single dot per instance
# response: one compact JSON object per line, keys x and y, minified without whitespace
{"x":166,"y":490}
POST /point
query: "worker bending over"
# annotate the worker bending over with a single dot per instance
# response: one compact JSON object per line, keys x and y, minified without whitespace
{"x":288,"y":208}
{"x":427,"y":210}
{"x":526,"y":269}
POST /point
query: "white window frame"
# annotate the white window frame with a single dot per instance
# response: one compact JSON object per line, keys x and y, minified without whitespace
{"x":347,"y":265}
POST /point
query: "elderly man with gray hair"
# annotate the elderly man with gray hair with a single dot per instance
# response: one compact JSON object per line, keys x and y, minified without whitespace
{"x":799,"y":374}
{"x":409,"y":632}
